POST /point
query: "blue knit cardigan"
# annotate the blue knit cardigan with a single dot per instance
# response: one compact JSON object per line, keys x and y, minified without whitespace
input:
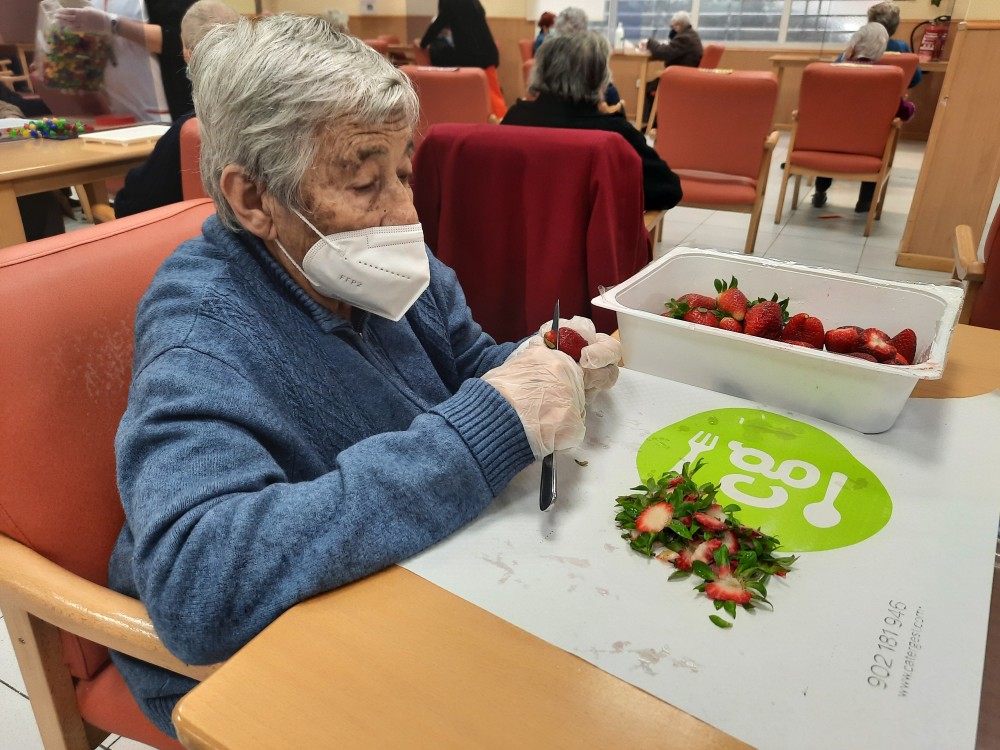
{"x":272,"y":451}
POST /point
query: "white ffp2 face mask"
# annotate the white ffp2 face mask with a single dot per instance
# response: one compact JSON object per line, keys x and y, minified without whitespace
{"x":380,"y":269}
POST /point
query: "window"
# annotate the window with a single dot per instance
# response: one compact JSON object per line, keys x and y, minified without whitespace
{"x":818,"y":22}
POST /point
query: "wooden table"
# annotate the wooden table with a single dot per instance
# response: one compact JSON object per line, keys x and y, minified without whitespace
{"x":644,"y":59}
{"x":395,"y":661}
{"x":36,"y":166}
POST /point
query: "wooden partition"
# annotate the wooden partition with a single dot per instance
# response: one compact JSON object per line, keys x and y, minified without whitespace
{"x":961,"y":166}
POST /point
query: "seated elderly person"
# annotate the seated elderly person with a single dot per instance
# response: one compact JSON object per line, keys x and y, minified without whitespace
{"x":568,"y":79}
{"x":866,"y":46}
{"x":311,"y":400}
{"x":574,"y":20}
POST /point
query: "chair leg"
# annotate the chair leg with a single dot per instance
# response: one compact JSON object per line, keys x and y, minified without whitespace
{"x":758,"y":209}
{"x":795,"y":192}
{"x":781,"y":197}
{"x":881,"y":198}
{"x":871,"y":214}
{"x":50,"y":688}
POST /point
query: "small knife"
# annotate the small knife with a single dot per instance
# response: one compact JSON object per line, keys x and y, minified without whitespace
{"x":547,"y":490}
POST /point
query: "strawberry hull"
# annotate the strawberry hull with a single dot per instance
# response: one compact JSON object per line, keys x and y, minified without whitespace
{"x":864,"y":396}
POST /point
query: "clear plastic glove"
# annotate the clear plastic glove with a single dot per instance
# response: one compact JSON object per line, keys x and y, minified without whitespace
{"x":599,"y":359}
{"x":85,"y":20}
{"x":545,"y":388}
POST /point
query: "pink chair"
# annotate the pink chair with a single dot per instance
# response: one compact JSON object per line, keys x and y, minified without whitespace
{"x":527,"y":47}
{"x":421,"y":55}
{"x":905,"y":61}
{"x":67,"y":343}
{"x":712,"y":56}
{"x":449,"y":95}
{"x":379,"y":45}
{"x":722,"y":161}
{"x":191,"y":186}
{"x":845,"y":127}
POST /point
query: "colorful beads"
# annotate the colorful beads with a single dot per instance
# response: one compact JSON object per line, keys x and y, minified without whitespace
{"x":75,"y":62}
{"x":51,"y":127}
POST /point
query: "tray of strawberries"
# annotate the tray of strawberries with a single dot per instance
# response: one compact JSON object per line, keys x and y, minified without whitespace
{"x":839,"y":346}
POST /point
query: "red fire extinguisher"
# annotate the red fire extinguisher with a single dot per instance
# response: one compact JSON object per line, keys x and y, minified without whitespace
{"x":934,"y":38}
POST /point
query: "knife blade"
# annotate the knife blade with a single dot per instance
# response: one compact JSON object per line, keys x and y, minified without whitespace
{"x":547,"y":489}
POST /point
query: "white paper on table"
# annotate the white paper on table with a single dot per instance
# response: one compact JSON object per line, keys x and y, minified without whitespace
{"x":792,"y":678}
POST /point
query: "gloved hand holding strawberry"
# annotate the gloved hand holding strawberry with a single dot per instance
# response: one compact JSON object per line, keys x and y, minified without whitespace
{"x":597,"y":353}
{"x":546,"y":390}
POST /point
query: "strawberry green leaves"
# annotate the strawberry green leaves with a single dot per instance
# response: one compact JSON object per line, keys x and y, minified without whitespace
{"x":678,"y":521}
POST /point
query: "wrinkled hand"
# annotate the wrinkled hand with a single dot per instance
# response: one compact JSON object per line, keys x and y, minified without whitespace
{"x":599,"y":359}
{"x":84,"y":20}
{"x":545,"y":387}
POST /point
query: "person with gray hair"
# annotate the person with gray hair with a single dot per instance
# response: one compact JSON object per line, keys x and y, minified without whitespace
{"x":887,"y":14}
{"x":157,"y":181}
{"x":311,"y":400}
{"x":338,"y":19}
{"x":568,"y":79}
{"x":866,"y":46}
{"x":574,"y":20}
{"x":684,"y":48}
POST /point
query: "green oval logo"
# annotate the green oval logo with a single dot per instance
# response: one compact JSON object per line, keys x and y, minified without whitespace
{"x":791,"y":480}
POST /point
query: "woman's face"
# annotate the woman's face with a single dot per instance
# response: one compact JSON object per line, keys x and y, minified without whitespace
{"x":360,"y":179}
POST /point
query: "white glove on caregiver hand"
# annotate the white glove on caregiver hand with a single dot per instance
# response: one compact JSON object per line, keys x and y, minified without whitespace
{"x":545,"y":388}
{"x":599,"y":359}
{"x":85,"y":20}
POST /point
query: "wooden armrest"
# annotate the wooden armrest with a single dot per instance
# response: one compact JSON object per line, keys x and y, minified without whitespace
{"x":53,"y":594}
{"x":493,"y":120}
{"x":771,"y":141}
{"x":968,"y":267}
{"x":651,"y":218}
{"x":102,"y":213}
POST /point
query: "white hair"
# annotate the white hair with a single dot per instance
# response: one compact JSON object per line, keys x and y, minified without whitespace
{"x":573,"y":67}
{"x":267,"y":90}
{"x":869,"y":42}
{"x":338,"y":19}
{"x":571,"y":21}
{"x":201,"y":17}
{"x":682,"y":18}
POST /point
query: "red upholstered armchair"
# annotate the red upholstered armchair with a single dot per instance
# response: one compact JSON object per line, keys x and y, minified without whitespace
{"x":68,"y":305}
{"x":191,"y":186}
{"x":528,"y":215}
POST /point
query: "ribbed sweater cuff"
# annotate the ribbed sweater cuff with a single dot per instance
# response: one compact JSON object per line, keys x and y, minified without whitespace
{"x":492,"y":430}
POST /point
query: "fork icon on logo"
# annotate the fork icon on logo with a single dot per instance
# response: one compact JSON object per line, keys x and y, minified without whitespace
{"x":700,"y":443}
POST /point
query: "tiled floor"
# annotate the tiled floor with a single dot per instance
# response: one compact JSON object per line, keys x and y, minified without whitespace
{"x":802,"y":236}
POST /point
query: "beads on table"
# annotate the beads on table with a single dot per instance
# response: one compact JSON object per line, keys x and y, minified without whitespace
{"x":58,"y":128}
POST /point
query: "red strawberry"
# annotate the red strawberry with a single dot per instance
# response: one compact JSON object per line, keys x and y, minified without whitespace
{"x":876,"y":343}
{"x":803,"y":344}
{"x":675,"y":481}
{"x":712,"y":518}
{"x":687,"y":302}
{"x":685,"y":557}
{"x":843,"y":340}
{"x":702,"y":317}
{"x":898,"y":360}
{"x":804,"y":327}
{"x":862,"y":355}
{"x":728,"y":587}
{"x":764,"y":320}
{"x":655,"y":518}
{"x":570,"y":342}
{"x":906,"y":344}
{"x":730,"y":542}
{"x":705,"y":552}
{"x":730,"y":299}
{"x":667,"y":556}
{"x":731,"y":324}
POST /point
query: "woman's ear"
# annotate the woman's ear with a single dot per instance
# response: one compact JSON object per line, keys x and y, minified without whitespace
{"x":252,"y":206}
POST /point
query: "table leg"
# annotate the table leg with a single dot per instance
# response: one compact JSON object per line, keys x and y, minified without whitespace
{"x":11,"y":229}
{"x":641,"y":95}
{"x":92,"y":194}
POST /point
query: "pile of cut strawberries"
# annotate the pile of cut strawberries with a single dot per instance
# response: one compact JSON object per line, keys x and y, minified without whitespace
{"x":731,"y":310}
{"x":679,"y":522}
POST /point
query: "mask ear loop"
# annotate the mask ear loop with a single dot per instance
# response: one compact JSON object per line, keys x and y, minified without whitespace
{"x":319,"y":234}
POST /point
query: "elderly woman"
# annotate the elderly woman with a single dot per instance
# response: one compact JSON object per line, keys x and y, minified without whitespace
{"x":683,"y":48}
{"x":866,"y":46}
{"x":568,"y":79}
{"x":887,"y":14}
{"x":311,"y":400}
{"x":573,"y":20}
